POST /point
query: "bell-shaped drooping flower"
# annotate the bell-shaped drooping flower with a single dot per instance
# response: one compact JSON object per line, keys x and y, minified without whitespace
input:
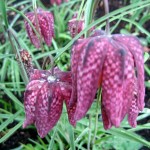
{"x":116,"y":63}
{"x":44,"y":24}
{"x":75,"y":25}
{"x":44,"y":96}
{"x":43,"y":99}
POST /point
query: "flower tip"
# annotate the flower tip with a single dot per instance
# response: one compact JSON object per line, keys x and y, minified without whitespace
{"x":132,"y":122}
{"x":25,"y":124}
{"x":73,"y":123}
{"x":116,"y":122}
{"x":78,"y":115}
{"x":41,"y":135}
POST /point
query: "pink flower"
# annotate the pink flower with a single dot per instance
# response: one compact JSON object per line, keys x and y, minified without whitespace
{"x":75,"y":26}
{"x":44,"y":96}
{"x":45,"y":23}
{"x":116,"y":63}
{"x":43,"y":99}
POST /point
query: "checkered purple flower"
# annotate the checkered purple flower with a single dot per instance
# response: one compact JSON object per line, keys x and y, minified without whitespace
{"x":116,"y":63}
{"x":45,"y":25}
{"x":44,"y":96}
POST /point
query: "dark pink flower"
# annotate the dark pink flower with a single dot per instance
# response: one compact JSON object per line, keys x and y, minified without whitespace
{"x":44,"y":96}
{"x":45,"y":23}
{"x":43,"y":99}
{"x":75,"y":26}
{"x":115,"y":62}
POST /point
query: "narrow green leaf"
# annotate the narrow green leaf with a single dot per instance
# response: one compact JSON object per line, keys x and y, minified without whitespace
{"x":71,"y":137}
{"x":12,"y":96}
{"x":128,"y":135}
{"x":11,"y":132}
{"x":9,"y":120}
{"x":146,"y":56}
{"x":51,"y":144}
{"x":4,"y":13}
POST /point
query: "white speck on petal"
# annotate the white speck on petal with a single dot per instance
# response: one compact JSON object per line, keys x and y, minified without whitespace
{"x":51,"y":79}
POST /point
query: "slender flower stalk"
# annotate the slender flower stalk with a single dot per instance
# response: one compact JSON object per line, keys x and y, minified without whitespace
{"x":16,"y":51}
{"x":39,"y":36}
{"x":106,"y":5}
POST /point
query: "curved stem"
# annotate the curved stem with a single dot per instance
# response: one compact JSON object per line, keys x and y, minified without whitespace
{"x":89,"y":137}
{"x":10,"y":31}
{"x":15,"y":51}
{"x":96,"y":116}
{"x":37,"y":25}
{"x":51,"y":59}
{"x":106,"y":5}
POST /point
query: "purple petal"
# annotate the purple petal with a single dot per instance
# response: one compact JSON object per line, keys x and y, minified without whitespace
{"x":118,"y":83}
{"x":66,"y":90}
{"x":75,"y":26}
{"x":30,"y":98}
{"x":48,"y":108}
{"x":40,"y":74}
{"x":32,"y":35}
{"x":105,"y":117}
{"x":75,"y":59}
{"x":137,"y":51}
{"x":88,"y":74}
{"x":46,"y":23}
{"x":133,"y":109}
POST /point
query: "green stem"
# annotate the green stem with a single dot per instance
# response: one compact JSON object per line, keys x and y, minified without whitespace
{"x":16,"y":39}
{"x":51,"y":59}
{"x":4,"y":13}
{"x":15,"y":51}
{"x":89,"y":137}
{"x":106,"y":5}
{"x":37,"y":24}
{"x":96,"y":116}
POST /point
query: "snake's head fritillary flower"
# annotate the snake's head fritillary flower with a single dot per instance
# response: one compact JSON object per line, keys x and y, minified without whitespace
{"x":44,"y":96}
{"x":44,"y":24}
{"x":75,"y":25}
{"x":116,"y":63}
{"x":43,"y":99}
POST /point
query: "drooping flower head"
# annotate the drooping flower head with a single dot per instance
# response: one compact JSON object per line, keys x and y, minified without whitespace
{"x":116,"y":63}
{"x":75,"y":25}
{"x":44,"y":24}
{"x":44,"y":97}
